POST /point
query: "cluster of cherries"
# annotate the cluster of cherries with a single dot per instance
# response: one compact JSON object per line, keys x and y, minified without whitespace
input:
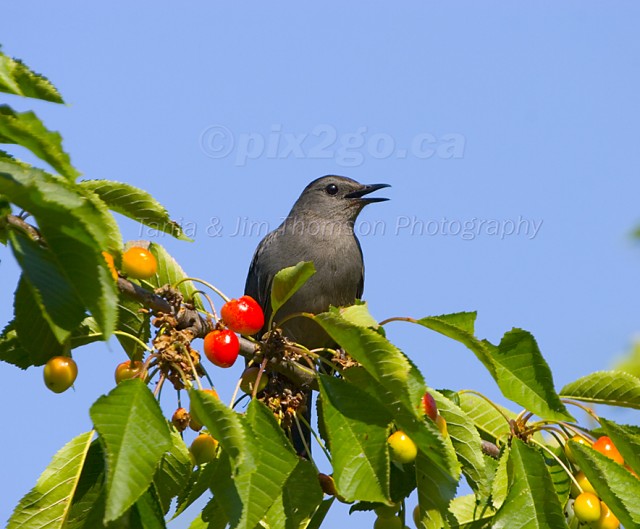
{"x":587,"y":505}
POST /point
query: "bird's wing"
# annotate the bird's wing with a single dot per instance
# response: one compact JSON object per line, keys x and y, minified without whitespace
{"x":360,"y":289}
{"x":260,"y":277}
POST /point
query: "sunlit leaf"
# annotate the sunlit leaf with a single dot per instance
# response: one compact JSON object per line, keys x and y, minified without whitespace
{"x":616,"y":388}
{"x":17,"y":78}
{"x":288,"y":281}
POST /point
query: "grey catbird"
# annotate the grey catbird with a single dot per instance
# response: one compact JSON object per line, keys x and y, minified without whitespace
{"x":319,"y":228}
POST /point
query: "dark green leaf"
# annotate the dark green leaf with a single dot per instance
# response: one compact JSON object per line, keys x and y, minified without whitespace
{"x":11,"y":350}
{"x":132,"y":321}
{"x":56,"y":298}
{"x":615,"y":388}
{"x":17,"y":78}
{"x":460,"y":327}
{"x":135,"y":434}
{"x":48,"y":504}
{"x":199,"y":482}
{"x":358,"y":427}
{"x":320,"y":514}
{"x":149,"y":511}
{"x":287,"y":282}
{"x":87,"y":508}
{"x":532,"y":502}
{"x":467,"y":443}
{"x":615,"y":485}
{"x":26,"y":129}
{"x":174,"y":473}
{"x":436,"y":489}
{"x":136,"y":204}
{"x":77,"y":227}
{"x":33,"y":331}
{"x":392,"y":377}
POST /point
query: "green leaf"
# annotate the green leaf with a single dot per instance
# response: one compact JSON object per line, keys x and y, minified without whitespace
{"x":199,"y":482}
{"x":532,"y":502}
{"x":11,"y":350}
{"x":626,"y":439}
{"x":149,"y":512}
{"x":469,"y":513}
{"x":631,"y":361}
{"x":132,"y":321}
{"x":174,"y":473}
{"x":392,"y":378}
{"x":524,"y":376}
{"x":87,"y":508}
{"x":297,"y":502}
{"x":487,"y":419}
{"x":460,"y":327}
{"x":358,"y":314}
{"x":500,"y":485}
{"x":135,"y":435}
{"x":467,"y":443}
{"x":615,"y":485}
{"x":60,"y":306}
{"x":32,"y":329}
{"x":170,"y":273}
{"x":26,"y":129}
{"x":48,"y":503}
{"x":288,"y":281}
{"x":77,"y":228}
{"x":320,"y":514}
{"x":436,"y":489}
{"x":136,"y":204}
{"x":358,"y":427}
{"x":615,"y":388}
{"x":16,"y":78}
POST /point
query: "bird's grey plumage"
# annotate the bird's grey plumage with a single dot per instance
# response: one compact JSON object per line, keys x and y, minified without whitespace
{"x":319,"y":228}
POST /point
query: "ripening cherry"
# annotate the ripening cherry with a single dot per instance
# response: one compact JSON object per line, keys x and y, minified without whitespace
{"x":587,"y":507}
{"x":584,"y":483}
{"x":607,"y":519}
{"x":430,"y":406}
{"x":416,"y":516}
{"x":221,"y":347}
{"x":327,"y":484}
{"x":60,"y":373}
{"x":388,"y":522}
{"x":243,"y":315}
{"x":401,"y":448}
{"x":442,"y":425}
{"x":139,"y":263}
{"x":203,"y":448}
{"x":387,"y":510}
{"x":605,"y":446}
{"x":128,"y":369}
{"x":248,"y":380}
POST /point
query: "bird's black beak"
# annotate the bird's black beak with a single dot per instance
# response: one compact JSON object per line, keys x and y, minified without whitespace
{"x":365,"y":190}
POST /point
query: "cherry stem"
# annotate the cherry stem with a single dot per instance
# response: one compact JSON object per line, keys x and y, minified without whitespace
{"x":263,"y":365}
{"x":206,"y":284}
{"x":193,"y":370}
{"x":183,"y":376}
{"x":488,"y":400}
{"x":213,"y":308}
{"x":135,"y":339}
{"x":304,"y":441}
{"x":290,"y":317}
{"x":523,"y":417}
{"x":317,"y":438}
{"x":569,"y":473}
{"x":156,"y":392}
{"x":584,"y":408}
{"x":397,"y":318}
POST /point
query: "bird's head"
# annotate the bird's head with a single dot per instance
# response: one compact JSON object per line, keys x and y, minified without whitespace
{"x":335,"y":198}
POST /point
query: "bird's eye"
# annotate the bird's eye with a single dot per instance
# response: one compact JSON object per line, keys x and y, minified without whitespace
{"x":332,"y":189}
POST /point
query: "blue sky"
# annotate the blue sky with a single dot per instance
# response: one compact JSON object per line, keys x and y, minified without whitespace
{"x":486,"y":119}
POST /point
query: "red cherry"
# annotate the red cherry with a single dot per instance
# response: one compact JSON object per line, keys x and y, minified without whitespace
{"x":430,"y":406}
{"x":243,"y":315}
{"x":605,"y":446}
{"x":221,"y":347}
